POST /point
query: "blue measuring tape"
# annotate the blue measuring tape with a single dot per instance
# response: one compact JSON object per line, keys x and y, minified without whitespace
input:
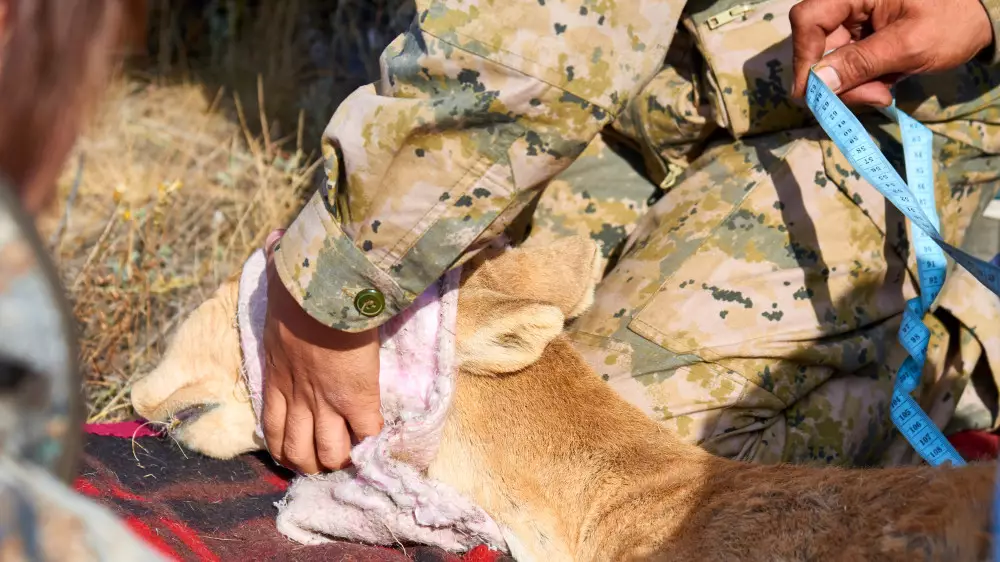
{"x":916,"y":201}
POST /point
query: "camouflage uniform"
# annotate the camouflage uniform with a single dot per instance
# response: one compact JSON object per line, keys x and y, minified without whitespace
{"x":40,"y":517}
{"x":754,"y":283}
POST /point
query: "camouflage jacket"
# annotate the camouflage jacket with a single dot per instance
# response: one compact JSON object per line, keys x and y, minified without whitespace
{"x":481,"y":103}
{"x":41,"y":518}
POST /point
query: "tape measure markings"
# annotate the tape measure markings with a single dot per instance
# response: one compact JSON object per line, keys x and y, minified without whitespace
{"x":917,"y":202}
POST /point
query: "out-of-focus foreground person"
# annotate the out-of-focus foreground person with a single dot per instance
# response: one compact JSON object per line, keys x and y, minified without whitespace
{"x":55,"y":57}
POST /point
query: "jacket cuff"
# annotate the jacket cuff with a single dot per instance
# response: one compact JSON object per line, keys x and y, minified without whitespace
{"x":330,"y":277}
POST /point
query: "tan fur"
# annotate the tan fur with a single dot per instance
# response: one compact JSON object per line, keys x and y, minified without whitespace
{"x":576,"y":473}
{"x":200,"y":375}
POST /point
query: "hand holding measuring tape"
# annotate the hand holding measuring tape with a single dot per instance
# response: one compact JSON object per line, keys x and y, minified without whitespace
{"x":906,"y":37}
{"x":879,"y":41}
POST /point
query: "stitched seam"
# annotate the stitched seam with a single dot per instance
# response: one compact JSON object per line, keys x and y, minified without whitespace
{"x":436,"y":210}
{"x":504,"y":65}
{"x":486,"y":227}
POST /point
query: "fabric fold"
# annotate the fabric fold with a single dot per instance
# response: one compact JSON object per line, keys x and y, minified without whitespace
{"x":379,"y":499}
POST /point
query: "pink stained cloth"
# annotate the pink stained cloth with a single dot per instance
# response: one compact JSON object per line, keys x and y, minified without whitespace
{"x":381,"y":500}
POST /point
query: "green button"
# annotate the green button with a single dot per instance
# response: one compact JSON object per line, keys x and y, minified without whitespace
{"x":370,"y":303}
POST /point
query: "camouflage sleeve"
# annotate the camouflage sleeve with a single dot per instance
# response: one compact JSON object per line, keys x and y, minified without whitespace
{"x":992,"y":53}
{"x":478,"y":105}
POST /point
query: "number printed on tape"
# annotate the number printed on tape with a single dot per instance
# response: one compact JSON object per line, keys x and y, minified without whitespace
{"x":915,"y":199}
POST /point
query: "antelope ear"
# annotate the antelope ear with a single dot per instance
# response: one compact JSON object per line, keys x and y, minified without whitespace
{"x":498,"y":334}
{"x":513,"y":304}
{"x":562,"y":274}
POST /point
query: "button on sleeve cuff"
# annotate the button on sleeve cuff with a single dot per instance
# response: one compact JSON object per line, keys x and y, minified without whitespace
{"x":331,"y":278}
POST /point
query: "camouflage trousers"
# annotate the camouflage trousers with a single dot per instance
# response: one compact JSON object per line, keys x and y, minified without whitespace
{"x":753,"y":305}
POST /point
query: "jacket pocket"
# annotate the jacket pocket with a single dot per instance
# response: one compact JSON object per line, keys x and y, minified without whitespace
{"x":790,"y":263}
{"x":748,"y":54}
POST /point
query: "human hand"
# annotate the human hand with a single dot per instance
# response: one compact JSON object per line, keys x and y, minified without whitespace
{"x":320,"y":384}
{"x":879,"y":42}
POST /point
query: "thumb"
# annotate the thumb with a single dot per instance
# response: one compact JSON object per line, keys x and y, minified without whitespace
{"x":864,"y":61}
{"x":272,"y":240}
{"x":269,"y":245}
{"x":273,"y":281}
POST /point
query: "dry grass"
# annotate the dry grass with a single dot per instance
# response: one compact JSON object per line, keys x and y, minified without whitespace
{"x":171,"y":197}
{"x":183,"y":173}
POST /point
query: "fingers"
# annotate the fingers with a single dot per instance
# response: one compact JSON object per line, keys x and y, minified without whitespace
{"x":877,"y":93}
{"x":363,"y":409}
{"x":273,"y":421}
{"x":812,"y":22}
{"x":271,"y":240}
{"x":856,"y":64}
{"x":298,"y":449}
{"x":819,"y":26}
{"x":303,"y":427}
{"x":307,"y":435}
{"x":332,"y":442}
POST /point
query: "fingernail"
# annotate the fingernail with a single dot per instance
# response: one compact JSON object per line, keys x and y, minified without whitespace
{"x":829,"y":76}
